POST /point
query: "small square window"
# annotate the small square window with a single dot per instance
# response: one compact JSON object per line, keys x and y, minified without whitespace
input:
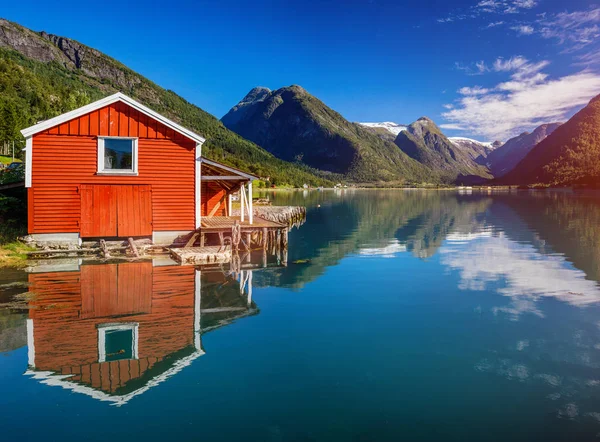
{"x":117,"y":341}
{"x":117,"y":155}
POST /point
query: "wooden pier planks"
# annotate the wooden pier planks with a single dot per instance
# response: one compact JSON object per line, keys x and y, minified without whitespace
{"x":202,"y":255}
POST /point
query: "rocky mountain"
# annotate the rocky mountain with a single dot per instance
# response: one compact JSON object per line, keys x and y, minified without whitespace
{"x":503,"y":159}
{"x":426,"y":143}
{"x":388,"y":126}
{"x":296,"y":126}
{"x":43,"y":75}
{"x":569,"y":155}
{"x":477,"y":150}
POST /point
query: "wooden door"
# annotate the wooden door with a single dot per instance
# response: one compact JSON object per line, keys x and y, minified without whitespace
{"x":134,"y":210}
{"x":115,"y":210}
{"x":116,"y":289}
{"x":98,"y":211}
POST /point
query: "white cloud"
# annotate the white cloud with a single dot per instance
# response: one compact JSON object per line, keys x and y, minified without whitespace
{"x":452,"y":127}
{"x":528,"y":99}
{"x":512,"y":64}
{"x":489,"y":7}
{"x":477,"y":68}
{"x":588,"y":59}
{"x":494,"y":24}
{"x":475,"y":90}
{"x":579,"y":28}
{"x":504,"y":6}
{"x":523,"y":29}
{"x":525,"y":4}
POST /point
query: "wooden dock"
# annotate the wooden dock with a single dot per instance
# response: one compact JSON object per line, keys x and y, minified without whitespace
{"x":202,"y":255}
{"x":287,"y":215}
{"x":229,"y":239}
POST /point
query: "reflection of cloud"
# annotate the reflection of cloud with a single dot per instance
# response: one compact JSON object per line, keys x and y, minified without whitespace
{"x":527,"y":274}
{"x":384,"y":252}
{"x":462,"y":238}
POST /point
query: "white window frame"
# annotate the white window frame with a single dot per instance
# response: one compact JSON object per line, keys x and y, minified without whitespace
{"x":134,"y":160}
{"x":103,"y":328}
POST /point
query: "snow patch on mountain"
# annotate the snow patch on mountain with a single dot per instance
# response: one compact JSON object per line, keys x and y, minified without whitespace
{"x":390,"y":126}
{"x":460,"y":141}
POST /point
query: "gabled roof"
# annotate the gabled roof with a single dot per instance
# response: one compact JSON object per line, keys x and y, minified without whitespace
{"x":238,"y":172}
{"x":47,"y":124}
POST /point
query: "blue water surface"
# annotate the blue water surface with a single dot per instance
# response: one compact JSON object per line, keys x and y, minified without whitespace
{"x":401,"y":315}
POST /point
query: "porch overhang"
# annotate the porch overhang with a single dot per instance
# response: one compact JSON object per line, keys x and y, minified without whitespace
{"x":232,"y":180}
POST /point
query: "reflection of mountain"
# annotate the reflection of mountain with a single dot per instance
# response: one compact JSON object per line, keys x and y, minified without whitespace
{"x":113,"y":331}
{"x":370,"y":223}
{"x":383,"y":223}
{"x":568,"y":224}
{"x":431,"y":217}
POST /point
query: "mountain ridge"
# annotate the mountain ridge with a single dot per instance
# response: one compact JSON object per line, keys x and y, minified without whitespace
{"x":506,"y":157}
{"x":293,"y":124}
{"x":424,"y":141}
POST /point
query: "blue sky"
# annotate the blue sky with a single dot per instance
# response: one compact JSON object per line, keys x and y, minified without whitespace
{"x":483,"y":68}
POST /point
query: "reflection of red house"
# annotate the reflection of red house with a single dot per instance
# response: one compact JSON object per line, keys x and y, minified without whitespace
{"x":114,"y":330}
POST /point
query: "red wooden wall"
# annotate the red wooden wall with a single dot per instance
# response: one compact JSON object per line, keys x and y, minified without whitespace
{"x":66,"y":314}
{"x":212,"y":193}
{"x":65,"y":156}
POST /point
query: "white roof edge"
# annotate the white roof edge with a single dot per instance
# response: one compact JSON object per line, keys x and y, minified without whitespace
{"x":230,"y":169}
{"x":47,"y":124}
{"x":60,"y":380}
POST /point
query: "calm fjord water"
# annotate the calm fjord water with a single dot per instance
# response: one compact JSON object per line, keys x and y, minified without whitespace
{"x":403,"y":315}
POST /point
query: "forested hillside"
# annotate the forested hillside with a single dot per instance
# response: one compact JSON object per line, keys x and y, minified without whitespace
{"x":43,"y":75}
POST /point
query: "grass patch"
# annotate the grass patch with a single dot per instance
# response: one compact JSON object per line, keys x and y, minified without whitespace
{"x":14,"y":254}
{"x":13,"y":224}
{"x":8,"y":160}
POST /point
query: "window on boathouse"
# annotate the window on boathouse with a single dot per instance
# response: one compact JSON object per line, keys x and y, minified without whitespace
{"x":117,"y":155}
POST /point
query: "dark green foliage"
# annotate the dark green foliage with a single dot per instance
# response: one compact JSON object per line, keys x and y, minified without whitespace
{"x":12,"y":175}
{"x":32,"y":91}
{"x":13,"y":215}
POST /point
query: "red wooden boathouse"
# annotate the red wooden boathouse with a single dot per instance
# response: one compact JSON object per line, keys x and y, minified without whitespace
{"x":115,"y":168}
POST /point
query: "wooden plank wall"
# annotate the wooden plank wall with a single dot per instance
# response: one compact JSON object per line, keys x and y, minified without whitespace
{"x":66,"y":335}
{"x":66,"y":156}
{"x":212,"y":193}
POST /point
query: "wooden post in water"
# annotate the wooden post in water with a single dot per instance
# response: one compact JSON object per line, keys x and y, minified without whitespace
{"x":284,"y":246}
{"x":249,"y":288}
{"x":236,"y":235}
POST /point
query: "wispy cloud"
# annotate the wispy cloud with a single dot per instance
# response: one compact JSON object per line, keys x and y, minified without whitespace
{"x":579,"y":27}
{"x":475,"y":90}
{"x":477,"y":68}
{"x":528,"y":98}
{"x":484,"y":7}
{"x":494,"y":24}
{"x":523,"y":29}
{"x":591,"y":58}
